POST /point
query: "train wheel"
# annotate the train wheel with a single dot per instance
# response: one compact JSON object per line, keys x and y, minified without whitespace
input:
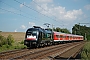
{"x":37,"y":45}
{"x":51,"y":43}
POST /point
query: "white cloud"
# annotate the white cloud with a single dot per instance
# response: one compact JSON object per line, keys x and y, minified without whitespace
{"x":43,"y":1}
{"x":87,"y":7}
{"x":23,"y":27}
{"x":74,"y":14}
{"x":57,"y":11}
{"x":15,"y":30}
{"x":30,"y":24}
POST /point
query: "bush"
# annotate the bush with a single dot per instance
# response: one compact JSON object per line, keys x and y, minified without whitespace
{"x":6,"y":43}
{"x":20,"y":47}
{"x":86,"y":51}
{"x":2,"y":40}
{"x":22,"y":42}
{"x":6,"y":46}
{"x":10,"y":40}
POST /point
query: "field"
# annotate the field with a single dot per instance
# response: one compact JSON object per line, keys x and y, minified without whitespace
{"x":18,"y":36}
{"x":18,"y":41}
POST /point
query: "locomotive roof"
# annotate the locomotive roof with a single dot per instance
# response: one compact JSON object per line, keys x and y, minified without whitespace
{"x":40,"y":29}
{"x":48,"y":31}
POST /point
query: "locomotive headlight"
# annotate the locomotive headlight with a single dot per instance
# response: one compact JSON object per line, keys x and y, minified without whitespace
{"x":34,"y":42}
{"x":26,"y":42}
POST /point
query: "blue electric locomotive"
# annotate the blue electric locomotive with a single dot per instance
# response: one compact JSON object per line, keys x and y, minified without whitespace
{"x":37,"y":36}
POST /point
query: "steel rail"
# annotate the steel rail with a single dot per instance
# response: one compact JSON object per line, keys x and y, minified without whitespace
{"x":38,"y":53}
{"x":5,"y":55}
{"x":75,"y":53}
{"x":65,"y":54}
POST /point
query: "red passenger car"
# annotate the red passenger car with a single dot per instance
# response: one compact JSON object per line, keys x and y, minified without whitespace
{"x":58,"y":37}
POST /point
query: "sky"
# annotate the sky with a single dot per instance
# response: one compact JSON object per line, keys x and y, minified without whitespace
{"x":19,"y":15}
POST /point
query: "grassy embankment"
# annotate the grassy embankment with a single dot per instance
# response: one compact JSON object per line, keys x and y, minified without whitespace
{"x":17,"y":39}
{"x":86,"y":51}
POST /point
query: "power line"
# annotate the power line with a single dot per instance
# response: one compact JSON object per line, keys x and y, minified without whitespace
{"x":34,"y":10}
{"x":18,"y":14}
{"x":43,"y":9}
{"x":24,"y":12}
{"x":46,"y":11}
{"x":30,"y":8}
{"x":14,"y":13}
{"x":84,"y":23}
{"x":18,"y":10}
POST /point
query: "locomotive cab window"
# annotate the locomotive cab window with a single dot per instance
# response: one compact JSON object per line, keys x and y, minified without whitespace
{"x":32,"y":33}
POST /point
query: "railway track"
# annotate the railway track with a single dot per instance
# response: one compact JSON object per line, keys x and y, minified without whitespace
{"x":70,"y":52}
{"x":39,"y":53}
{"x":9,"y":54}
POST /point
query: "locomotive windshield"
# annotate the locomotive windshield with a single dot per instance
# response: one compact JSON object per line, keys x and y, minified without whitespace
{"x":32,"y":34}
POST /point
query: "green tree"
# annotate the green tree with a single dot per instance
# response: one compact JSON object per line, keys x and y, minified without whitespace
{"x":81,"y":30}
{"x":58,"y":29}
{"x":65,"y":30}
{"x":54,"y":29}
{"x":75,"y":29}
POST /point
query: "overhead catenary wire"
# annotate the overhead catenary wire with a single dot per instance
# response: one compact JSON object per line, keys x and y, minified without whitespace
{"x":19,"y":14}
{"x":24,"y":12}
{"x":35,"y":10}
{"x":46,"y":11}
{"x":43,"y":9}
{"x":18,"y":10}
{"x":15,"y":13}
{"x":31,"y":8}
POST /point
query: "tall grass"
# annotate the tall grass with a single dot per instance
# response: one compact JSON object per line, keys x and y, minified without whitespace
{"x":8,"y":43}
{"x":86,"y":51}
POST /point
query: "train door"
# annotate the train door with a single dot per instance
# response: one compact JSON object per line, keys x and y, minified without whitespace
{"x":61,"y":37}
{"x":40,"y":38}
